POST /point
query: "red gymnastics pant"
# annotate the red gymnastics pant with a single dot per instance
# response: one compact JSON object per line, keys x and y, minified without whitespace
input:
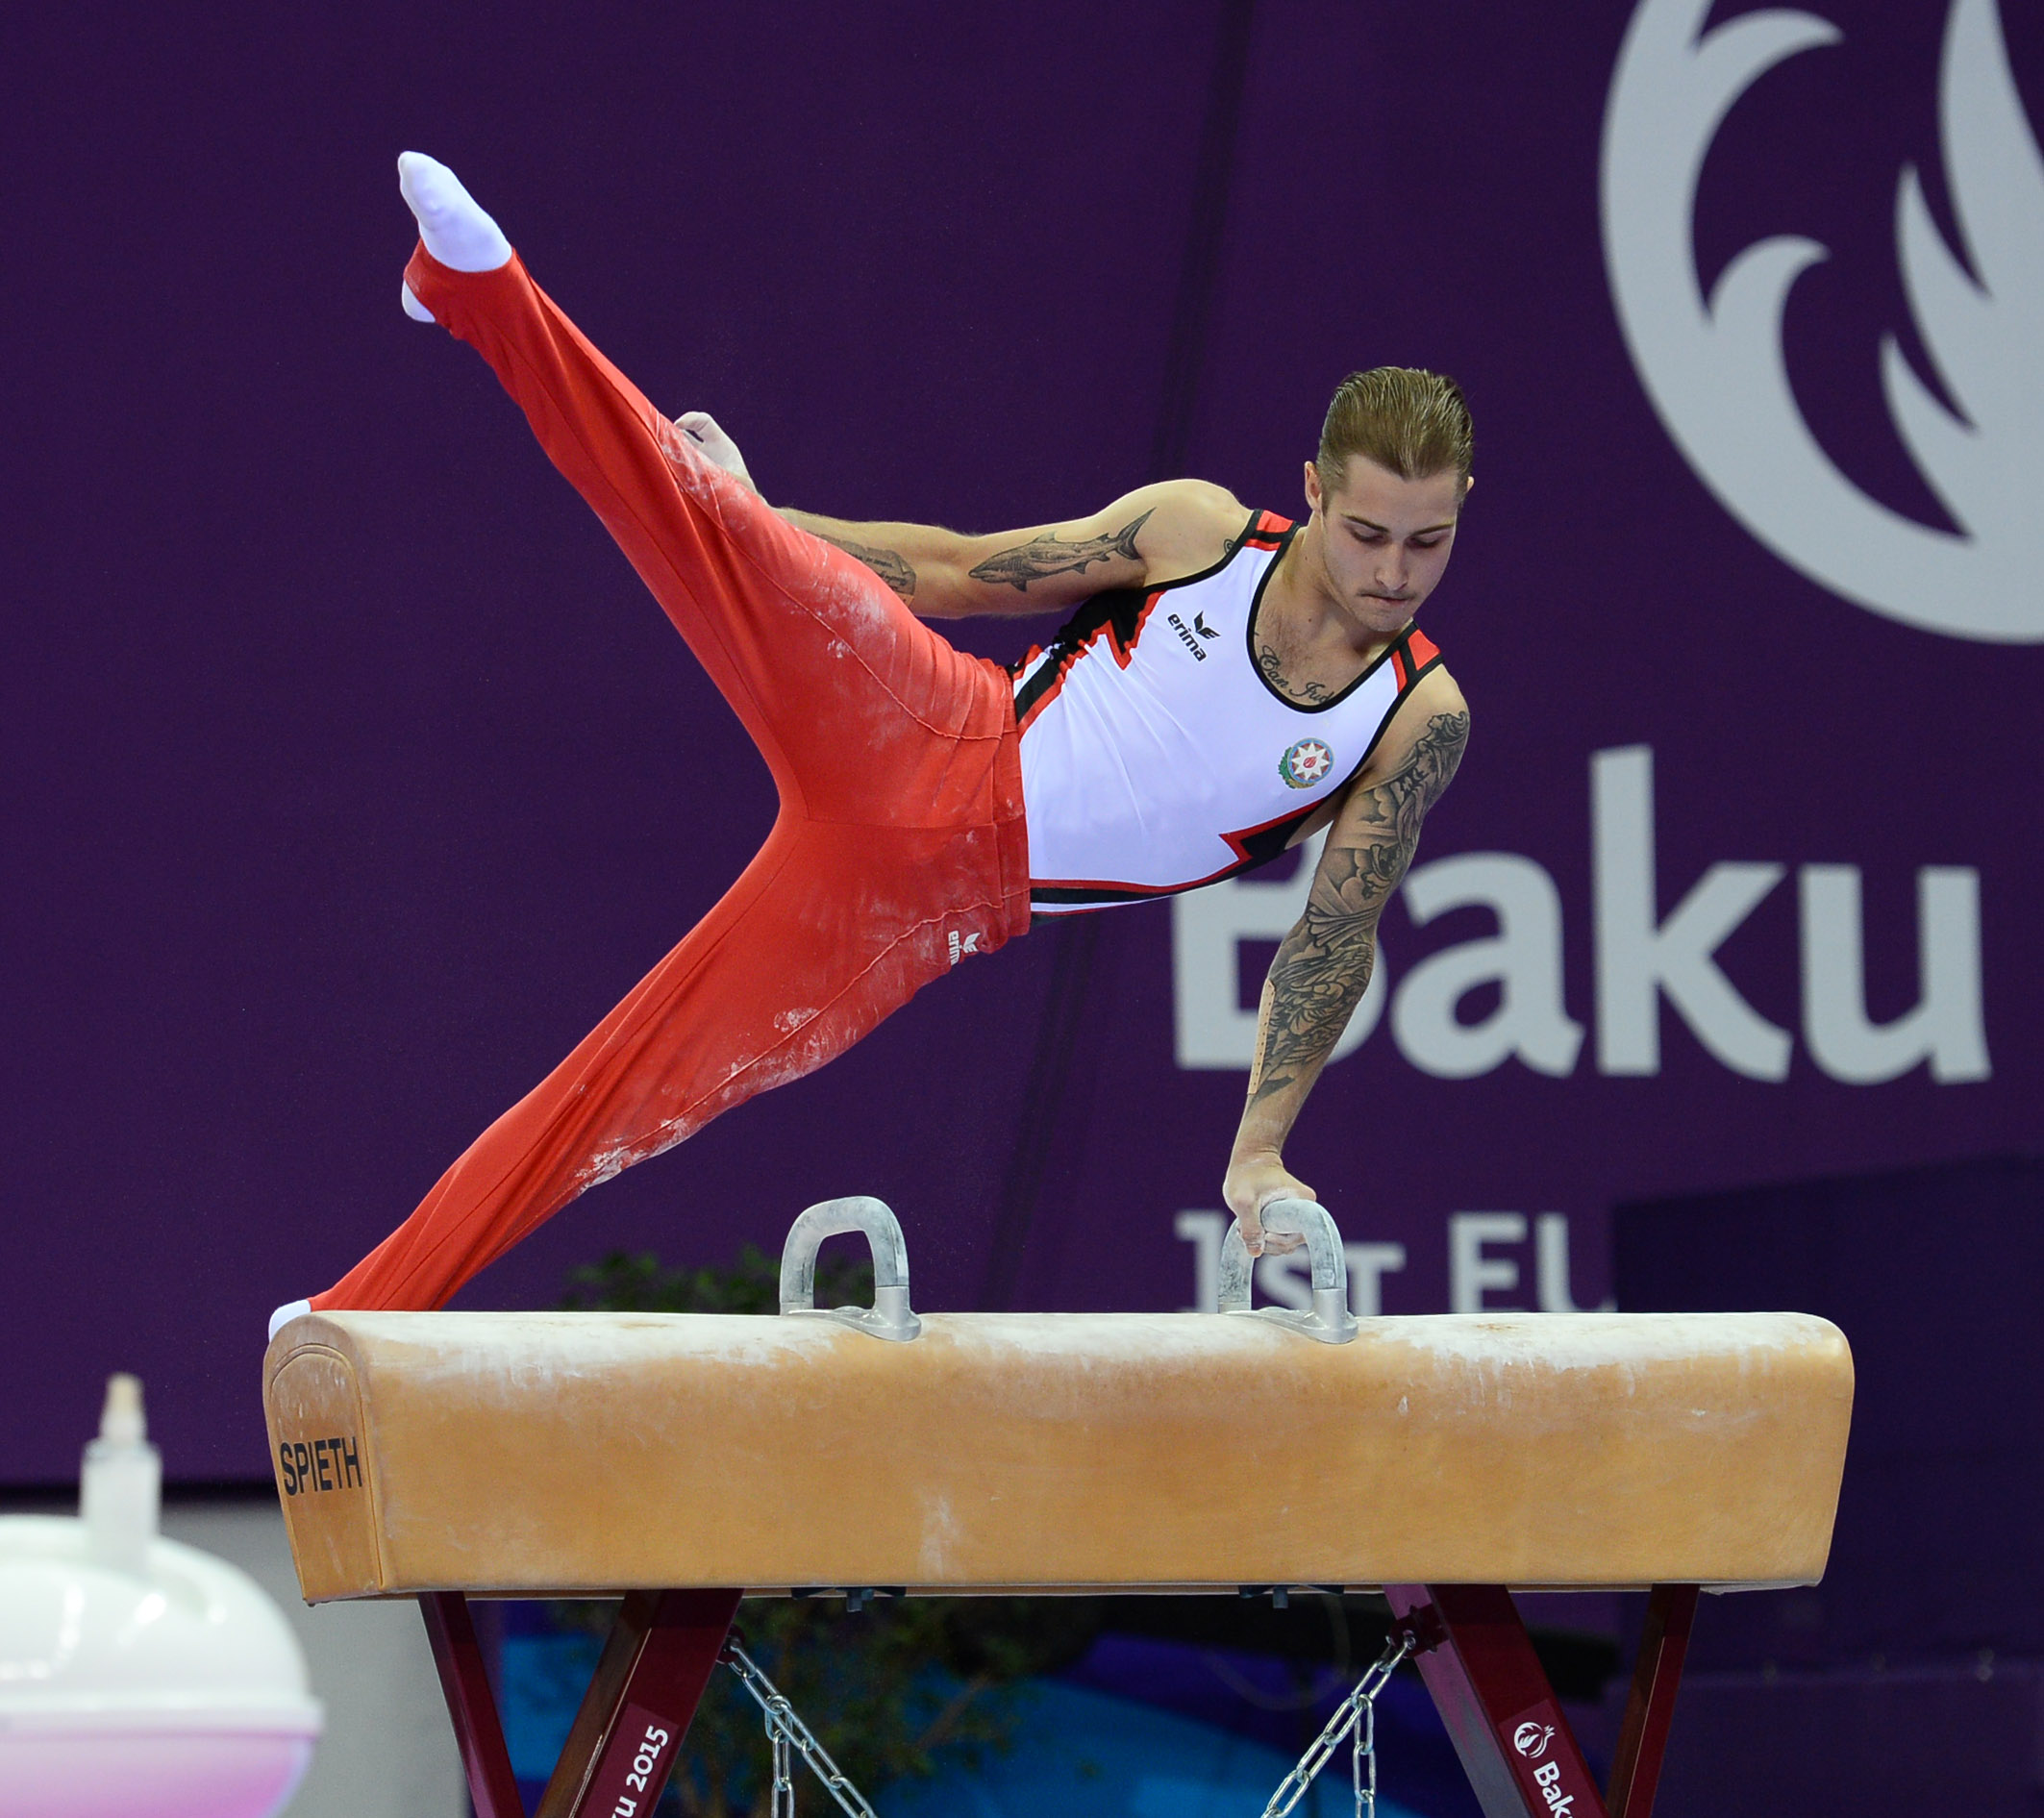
{"x":899,"y":845}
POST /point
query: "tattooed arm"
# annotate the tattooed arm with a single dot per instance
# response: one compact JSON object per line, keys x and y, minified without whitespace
{"x":1157,"y":533}
{"x":1323,"y":967}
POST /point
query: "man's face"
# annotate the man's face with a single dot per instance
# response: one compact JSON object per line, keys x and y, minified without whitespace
{"x":1386,"y":541}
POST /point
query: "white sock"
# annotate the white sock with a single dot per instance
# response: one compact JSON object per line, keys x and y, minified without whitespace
{"x":288,"y":1312}
{"x":456,"y":231}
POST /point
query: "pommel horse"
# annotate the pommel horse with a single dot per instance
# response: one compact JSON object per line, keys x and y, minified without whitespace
{"x":685,"y":1461}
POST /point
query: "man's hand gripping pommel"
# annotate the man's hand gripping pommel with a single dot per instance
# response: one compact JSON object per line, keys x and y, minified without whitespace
{"x":1252,"y":1181}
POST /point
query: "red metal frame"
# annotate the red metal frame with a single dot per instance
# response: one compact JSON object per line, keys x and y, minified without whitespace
{"x":472,"y":1705}
{"x":1515,"y":1744}
{"x":661,"y":1652}
{"x":1472,"y":1649}
{"x":1635,"y":1769}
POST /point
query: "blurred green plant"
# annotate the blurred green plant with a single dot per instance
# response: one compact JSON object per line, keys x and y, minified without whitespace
{"x":901,"y":1690}
{"x":626,"y":1283}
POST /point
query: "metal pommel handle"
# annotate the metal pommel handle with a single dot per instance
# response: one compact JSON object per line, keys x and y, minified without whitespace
{"x":890,"y":1316}
{"x":1330,"y":1322}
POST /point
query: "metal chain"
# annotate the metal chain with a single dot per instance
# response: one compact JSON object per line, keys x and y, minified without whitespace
{"x":1355,"y":1712}
{"x":784,"y":1728}
{"x":784,"y":1799}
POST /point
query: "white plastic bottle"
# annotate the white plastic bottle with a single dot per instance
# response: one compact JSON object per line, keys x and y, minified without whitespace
{"x":121,"y":1487}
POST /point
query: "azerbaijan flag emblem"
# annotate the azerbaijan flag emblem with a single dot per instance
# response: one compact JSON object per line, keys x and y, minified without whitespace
{"x":1305,"y":764}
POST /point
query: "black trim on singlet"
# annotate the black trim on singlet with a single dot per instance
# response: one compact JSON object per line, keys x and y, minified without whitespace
{"x":1243,"y":539}
{"x":1260,"y":845}
{"x":1369,"y":669}
{"x":1122,"y":611}
{"x":1119,"y":611}
{"x":1432,"y":663}
{"x":1402,"y":642}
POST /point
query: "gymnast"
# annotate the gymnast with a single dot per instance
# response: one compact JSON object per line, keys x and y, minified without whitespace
{"x":1228,"y":683}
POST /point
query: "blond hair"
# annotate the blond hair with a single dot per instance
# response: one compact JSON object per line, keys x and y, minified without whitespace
{"x":1414,"y":422}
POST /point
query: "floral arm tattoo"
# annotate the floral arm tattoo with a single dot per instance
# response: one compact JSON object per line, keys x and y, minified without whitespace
{"x":1047,"y":555}
{"x":1323,"y":967}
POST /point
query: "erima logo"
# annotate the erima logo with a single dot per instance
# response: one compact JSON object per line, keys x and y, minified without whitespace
{"x":1716,"y":370}
{"x":1185,"y":637}
{"x":1531,"y":1739}
{"x":961,"y":948}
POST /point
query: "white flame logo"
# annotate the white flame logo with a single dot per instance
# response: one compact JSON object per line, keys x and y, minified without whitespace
{"x":1716,"y":370}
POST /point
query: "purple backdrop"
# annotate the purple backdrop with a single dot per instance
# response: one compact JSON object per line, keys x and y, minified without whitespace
{"x":351,"y":776}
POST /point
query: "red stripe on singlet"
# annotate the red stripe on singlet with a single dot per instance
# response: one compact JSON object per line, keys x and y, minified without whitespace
{"x":1412,"y":656}
{"x":1269,"y":531}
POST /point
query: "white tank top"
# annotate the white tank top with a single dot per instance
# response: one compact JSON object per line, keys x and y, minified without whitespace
{"x":1156,"y":757}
